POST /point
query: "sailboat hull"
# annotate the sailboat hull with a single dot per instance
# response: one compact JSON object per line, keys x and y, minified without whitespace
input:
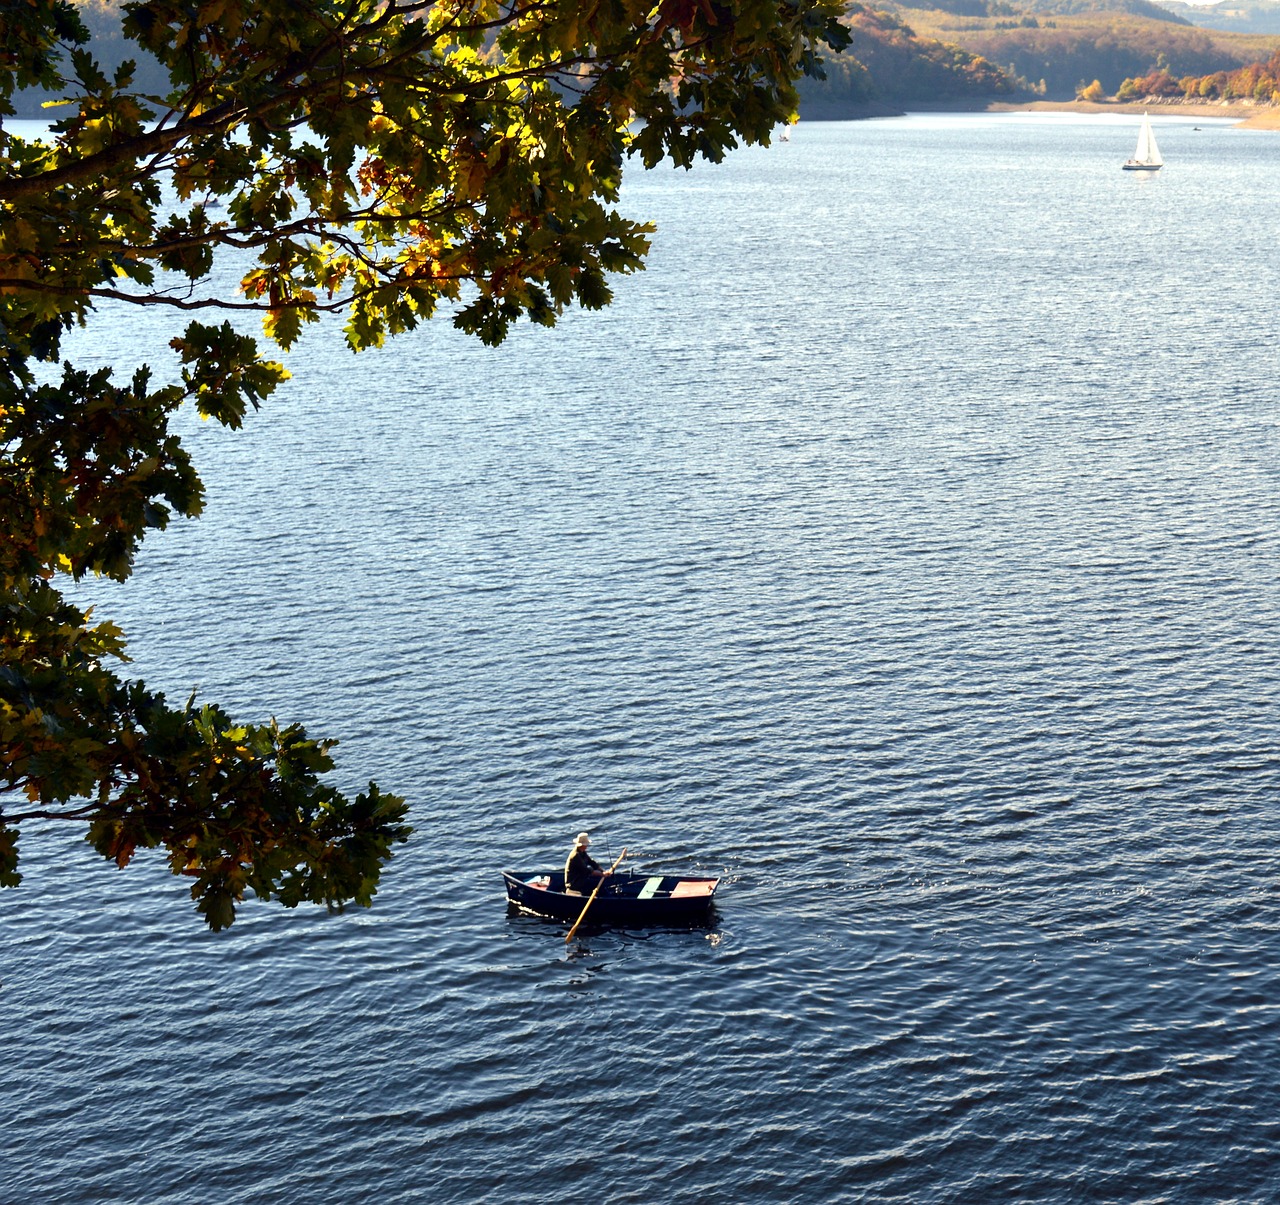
{"x":1141,"y":167}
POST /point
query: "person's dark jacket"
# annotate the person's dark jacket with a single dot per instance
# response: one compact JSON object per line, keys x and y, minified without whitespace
{"x":581,"y":871}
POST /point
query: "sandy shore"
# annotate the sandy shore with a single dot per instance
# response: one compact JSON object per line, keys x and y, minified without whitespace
{"x":1249,"y":116}
{"x":1255,"y":117}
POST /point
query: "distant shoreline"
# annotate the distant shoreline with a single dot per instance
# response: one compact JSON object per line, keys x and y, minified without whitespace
{"x":1249,"y":116}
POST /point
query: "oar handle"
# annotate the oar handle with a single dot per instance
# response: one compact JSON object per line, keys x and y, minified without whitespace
{"x":591,"y":898}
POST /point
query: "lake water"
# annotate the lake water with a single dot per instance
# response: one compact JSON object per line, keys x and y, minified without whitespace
{"x":904,"y":546}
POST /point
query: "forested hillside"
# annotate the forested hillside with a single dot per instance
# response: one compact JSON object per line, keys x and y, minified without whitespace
{"x":1076,"y":8}
{"x":887,"y":62}
{"x":1054,"y":53}
{"x":965,"y":51}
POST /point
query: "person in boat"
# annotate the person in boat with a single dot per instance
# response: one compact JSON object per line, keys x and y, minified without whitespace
{"x":581,"y":871}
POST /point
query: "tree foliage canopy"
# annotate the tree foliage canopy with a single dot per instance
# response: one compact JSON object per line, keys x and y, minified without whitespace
{"x":1255,"y":81}
{"x":375,"y":157}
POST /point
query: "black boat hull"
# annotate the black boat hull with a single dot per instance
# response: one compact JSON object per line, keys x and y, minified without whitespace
{"x":625,"y":899}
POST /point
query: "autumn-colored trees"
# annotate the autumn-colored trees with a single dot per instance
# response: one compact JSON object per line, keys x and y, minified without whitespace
{"x":1255,"y":82}
{"x":1157,"y":82}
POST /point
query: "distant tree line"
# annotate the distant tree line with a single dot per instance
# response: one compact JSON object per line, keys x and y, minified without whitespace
{"x":1255,"y":81}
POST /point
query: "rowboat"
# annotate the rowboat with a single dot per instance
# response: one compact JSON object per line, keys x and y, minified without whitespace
{"x":625,"y":899}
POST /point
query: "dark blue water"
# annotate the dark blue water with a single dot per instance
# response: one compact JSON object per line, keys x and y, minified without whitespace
{"x":904,"y":546}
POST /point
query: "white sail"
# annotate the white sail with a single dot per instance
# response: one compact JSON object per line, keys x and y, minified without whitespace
{"x":1147,"y":151}
{"x":1147,"y":156}
{"x":1153,"y":151}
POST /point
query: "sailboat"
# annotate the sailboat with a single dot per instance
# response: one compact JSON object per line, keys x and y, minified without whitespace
{"x":1147,"y":157}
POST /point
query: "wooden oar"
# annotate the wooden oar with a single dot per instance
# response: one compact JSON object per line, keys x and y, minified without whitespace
{"x":591,"y":898}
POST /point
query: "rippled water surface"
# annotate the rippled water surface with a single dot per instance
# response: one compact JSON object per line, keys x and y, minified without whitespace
{"x":903,"y":546}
